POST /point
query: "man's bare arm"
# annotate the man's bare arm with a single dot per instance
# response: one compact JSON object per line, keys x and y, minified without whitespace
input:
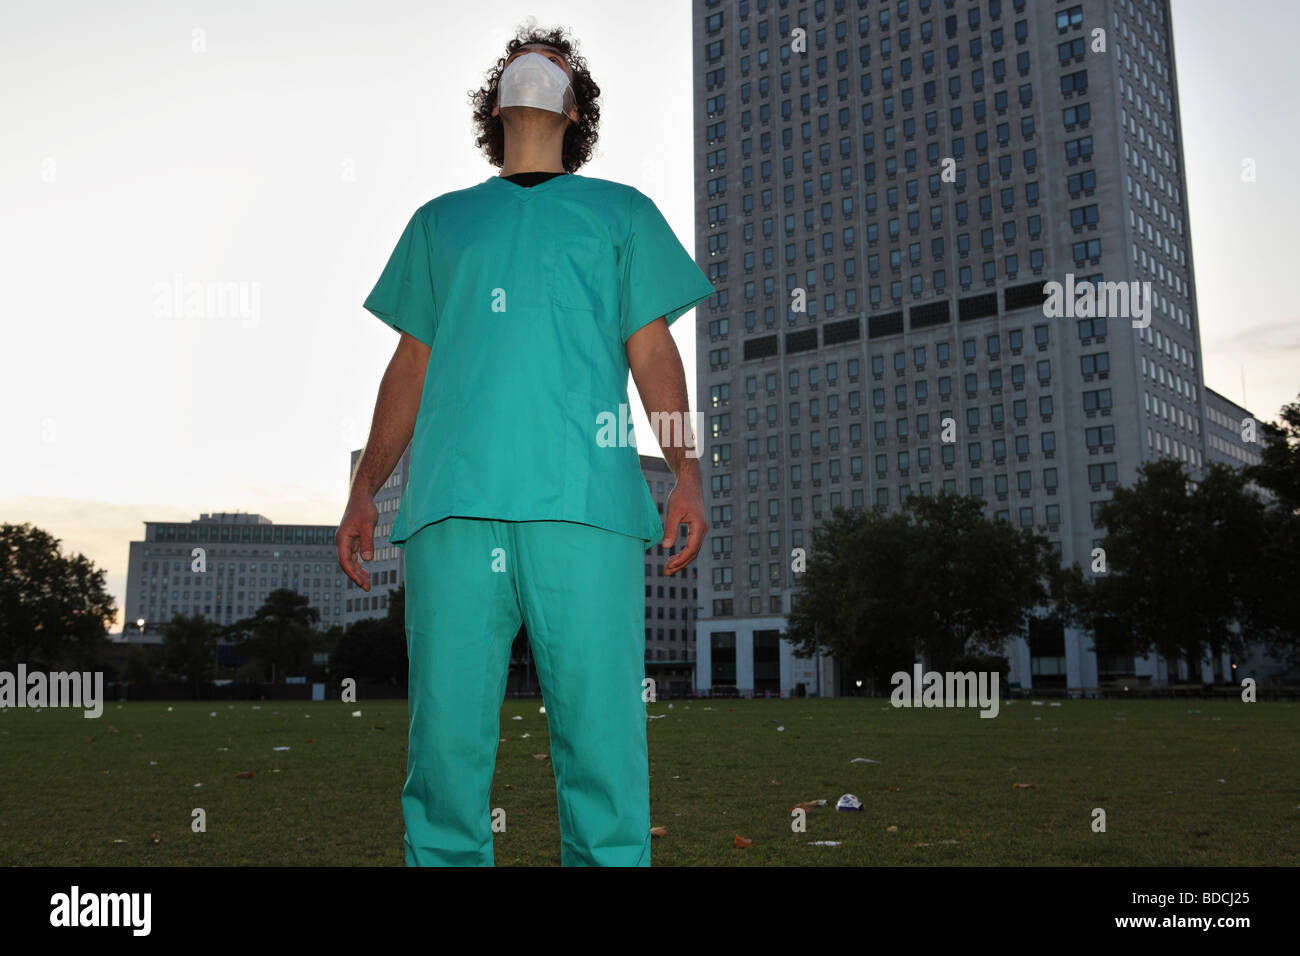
{"x":660,"y":380}
{"x":391,"y":428}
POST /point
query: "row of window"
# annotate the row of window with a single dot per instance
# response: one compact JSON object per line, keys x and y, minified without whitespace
{"x":1165,"y":445}
{"x":1097,"y":402}
{"x":221,"y":567}
{"x":672,"y":590}
{"x":1100,"y":438}
{"x":657,"y":613}
{"x":153,"y":615}
{"x":1234,"y":450}
{"x":672,"y":635}
{"x":1090,"y":331}
{"x":720,"y":425}
{"x":256,"y":534}
{"x":1170,"y":413}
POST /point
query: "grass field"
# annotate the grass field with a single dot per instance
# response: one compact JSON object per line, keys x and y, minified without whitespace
{"x":1218,"y":785}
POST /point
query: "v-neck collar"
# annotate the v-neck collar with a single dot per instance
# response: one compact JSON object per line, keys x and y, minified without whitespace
{"x":524,"y":192}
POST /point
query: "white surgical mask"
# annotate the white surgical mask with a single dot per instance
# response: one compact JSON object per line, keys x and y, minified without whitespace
{"x":533,"y":80}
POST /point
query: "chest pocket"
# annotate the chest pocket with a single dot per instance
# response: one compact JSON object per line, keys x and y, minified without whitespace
{"x":575,"y":265}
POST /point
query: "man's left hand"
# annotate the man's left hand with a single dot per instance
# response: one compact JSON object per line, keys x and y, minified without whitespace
{"x":685,"y":507}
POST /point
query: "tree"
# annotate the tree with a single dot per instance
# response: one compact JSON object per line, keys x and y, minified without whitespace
{"x":374,"y":649}
{"x":1276,"y":616}
{"x":53,"y":608}
{"x":976,"y":581}
{"x":1273,"y":617}
{"x":189,"y":648}
{"x":1186,"y":565}
{"x":280,"y":634}
{"x":848,"y":600}
{"x":1279,"y":467}
{"x":139,"y":667}
{"x":938,"y":579}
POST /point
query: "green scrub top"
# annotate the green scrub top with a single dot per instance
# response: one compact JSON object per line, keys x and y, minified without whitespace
{"x":527,"y":296}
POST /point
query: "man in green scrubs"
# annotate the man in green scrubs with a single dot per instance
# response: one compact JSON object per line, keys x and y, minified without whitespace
{"x":523,"y":302}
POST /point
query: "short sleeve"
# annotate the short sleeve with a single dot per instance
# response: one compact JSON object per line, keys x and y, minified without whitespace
{"x":403,"y":296}
{"x":657,"y":276}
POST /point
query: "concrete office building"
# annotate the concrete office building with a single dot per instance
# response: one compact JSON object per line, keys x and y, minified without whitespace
{"x":1232,"y":434}
{"x":884,"y":189}
{"x":244,"y":557}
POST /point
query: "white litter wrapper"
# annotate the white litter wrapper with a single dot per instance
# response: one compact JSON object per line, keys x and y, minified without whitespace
{"x":849,"y":802}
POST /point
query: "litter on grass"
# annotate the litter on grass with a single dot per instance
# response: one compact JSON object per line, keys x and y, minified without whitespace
{"x":864,"y":760}
{"x":279,"y":748}
{"x":823,"y":842}
{"x":849,"y":802}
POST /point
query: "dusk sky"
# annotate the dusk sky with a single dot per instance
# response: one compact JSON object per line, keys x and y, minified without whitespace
{"x":284,"y":146}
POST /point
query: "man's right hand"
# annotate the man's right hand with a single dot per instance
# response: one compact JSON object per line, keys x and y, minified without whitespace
{"x":357,"y":534}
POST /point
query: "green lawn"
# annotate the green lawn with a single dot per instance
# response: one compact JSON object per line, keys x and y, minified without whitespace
{"x":1218,"y":786}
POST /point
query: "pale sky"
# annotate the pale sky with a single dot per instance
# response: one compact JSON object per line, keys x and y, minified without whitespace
{"x":282,"y":147}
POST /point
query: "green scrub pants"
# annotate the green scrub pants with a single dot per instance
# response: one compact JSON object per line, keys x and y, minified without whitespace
{"x":580,"y":592}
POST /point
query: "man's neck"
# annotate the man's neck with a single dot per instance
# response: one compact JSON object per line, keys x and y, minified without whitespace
{"x":517,"y":164}
{"x":533,"y":146}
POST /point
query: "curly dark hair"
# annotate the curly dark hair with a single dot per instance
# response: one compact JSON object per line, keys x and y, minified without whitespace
{"x":579,"y":138}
